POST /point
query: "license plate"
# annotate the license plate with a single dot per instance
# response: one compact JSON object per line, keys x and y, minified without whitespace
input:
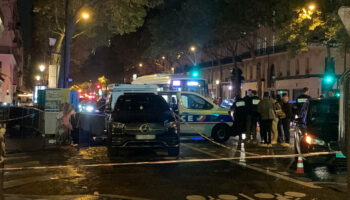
{"x":145,"y":137}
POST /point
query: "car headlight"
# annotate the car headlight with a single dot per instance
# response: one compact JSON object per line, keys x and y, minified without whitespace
{"x":90,"y":108}
{"x":117,"y":128}
{"x":312,"y":140}
{"x":171,"y":127}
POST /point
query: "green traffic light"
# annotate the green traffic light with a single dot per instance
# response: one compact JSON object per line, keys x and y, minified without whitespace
{"x":337,"y":94}
{"x":195,"y":74}
{"x":329,"y":79}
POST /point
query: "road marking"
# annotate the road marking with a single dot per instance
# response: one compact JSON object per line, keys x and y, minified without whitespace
{"x":245,"y":196}
{"x":19,"y":196}
{"x":280,"y":176}
{"x":22,"y":164}
{"x":24,"y":181}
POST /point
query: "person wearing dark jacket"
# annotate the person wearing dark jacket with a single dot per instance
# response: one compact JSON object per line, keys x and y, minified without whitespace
{"x":267,"y":114}
{"x":239,"y":115}
{"x":252,"y":116}
{"x":301,"y":100}
{"x":285,"y":122}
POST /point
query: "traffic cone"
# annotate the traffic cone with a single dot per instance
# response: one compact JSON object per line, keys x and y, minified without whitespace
{"x":300,"y":165}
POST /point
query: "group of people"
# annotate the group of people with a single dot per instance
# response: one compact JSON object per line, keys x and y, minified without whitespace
{"x":273,"y":113}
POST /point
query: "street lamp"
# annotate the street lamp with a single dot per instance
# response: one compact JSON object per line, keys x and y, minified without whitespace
{"x":192,"y":48}
{"x":140,"y":65}
{"x":37,"y":77}
{"x":85,"y":15}
{"x":42,"y":68}
{"x":163,"y":57}
{"x":217,"y":82}
{"x":312,"y":7}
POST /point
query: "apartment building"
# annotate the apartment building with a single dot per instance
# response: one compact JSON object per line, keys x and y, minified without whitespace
{"x":11,"y":52}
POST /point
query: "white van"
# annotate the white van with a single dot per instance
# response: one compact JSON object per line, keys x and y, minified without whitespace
{"x":116,"y":90}
{"x":199,"y":114}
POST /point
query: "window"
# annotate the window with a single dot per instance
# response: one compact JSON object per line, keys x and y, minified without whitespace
{"x":195,"y":102}
{"x":297,"y":67}
{"x":265,"y":44}
{"x":288,"y":68}
{"x":251,"y":73}
{"x":273,"y":43}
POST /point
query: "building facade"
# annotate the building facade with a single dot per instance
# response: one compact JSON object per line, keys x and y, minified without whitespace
{"x":279,"y":72}
{"x":11,"y":52}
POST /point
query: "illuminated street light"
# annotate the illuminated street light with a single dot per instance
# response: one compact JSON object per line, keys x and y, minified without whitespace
{"x":163,"y":57}
{"x":85,"y":15}
{"x":193,"y":48}
{"x":217,"y":82}
{"x":37,"y":77}
{"x":312,"y":7}
{"x":140,"y":65}
{"x":42,"y":68}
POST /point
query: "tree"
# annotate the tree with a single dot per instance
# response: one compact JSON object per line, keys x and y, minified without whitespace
{"x":108,"y":17}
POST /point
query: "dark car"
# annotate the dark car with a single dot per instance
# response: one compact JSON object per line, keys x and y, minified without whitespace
{"x":317,"y":129}
{"x":143,"y":121}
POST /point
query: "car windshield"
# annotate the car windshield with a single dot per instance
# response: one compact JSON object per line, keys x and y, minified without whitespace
{"x":324,"y":112}
{"x":141,"y":108}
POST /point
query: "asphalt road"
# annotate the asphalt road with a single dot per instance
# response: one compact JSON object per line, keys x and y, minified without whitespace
{"x":204,"y":171}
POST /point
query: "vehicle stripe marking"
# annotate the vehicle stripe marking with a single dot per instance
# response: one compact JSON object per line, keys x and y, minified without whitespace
{"x":280,"y":176}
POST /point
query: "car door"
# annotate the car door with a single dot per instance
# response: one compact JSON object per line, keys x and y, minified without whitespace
{"x":196,"y":112}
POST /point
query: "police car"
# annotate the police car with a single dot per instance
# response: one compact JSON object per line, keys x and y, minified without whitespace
{"x":199,"y":115}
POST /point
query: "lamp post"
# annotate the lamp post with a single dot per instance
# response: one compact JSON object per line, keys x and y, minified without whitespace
{"x":68,"y":34}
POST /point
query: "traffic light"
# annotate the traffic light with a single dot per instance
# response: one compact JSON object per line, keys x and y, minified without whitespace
{"x":237,"y":75}
{"x":329,"y":79}
{"x":328,"y":82}
{"x":194,"y":73}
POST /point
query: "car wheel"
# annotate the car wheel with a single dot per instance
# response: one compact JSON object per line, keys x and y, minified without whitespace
{"x":174,"y":152}
{"x":221,"y":133}
{"x":111,"y":151}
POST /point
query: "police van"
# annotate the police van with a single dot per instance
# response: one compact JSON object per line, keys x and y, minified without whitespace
{"x":199,"y":115}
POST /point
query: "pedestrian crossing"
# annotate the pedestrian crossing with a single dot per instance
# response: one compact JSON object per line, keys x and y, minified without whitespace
{"x":17,"y":178}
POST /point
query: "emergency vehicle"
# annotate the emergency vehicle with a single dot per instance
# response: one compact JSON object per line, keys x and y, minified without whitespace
{"x":171,"y":82}
{"x":198,"y":114}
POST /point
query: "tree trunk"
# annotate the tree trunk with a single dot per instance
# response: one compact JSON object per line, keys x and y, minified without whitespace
{"x":64,"y":68}
{"x":55,"y":55}
{"x":220,"y":78}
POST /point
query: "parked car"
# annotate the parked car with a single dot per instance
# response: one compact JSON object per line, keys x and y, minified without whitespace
{"x":317,"y":129}
{"x":142,"y":120}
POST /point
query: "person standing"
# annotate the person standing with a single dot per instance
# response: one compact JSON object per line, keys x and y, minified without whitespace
{"x":302,"y":99}
{"x":253,"y":114}
{"x":248,"y":103}
{"x":239,"y":115}
{"x":267,"y":114}
{"x":277,"y":109}
{"x":288,"y":110}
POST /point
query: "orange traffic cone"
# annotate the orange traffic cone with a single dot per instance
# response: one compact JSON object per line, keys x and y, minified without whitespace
{"x":300,"y":165}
